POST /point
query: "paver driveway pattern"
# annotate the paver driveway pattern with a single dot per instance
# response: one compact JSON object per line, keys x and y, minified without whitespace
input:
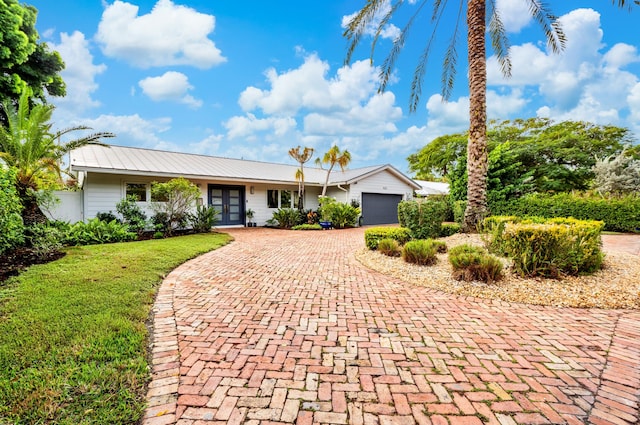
{"x":287,"y":327}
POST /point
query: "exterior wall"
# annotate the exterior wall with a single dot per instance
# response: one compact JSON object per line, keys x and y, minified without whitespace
{"x":70,"y":208}
{"x":384,"y":183}
{"x":104,"y":191}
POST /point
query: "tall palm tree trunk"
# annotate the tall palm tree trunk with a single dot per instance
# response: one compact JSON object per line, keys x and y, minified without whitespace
{"x":477,"y":144}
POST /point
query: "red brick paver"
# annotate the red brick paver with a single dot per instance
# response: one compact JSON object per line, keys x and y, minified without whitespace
{"x":287,"y":327}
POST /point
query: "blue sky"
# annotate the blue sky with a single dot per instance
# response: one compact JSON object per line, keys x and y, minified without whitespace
{"x":252,"y":79}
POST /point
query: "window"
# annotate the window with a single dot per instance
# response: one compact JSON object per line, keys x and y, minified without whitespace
{"x":285,"y":199}
{"x":272,"y":198}
{"x":139,"y":190}
{"x":281,"y":198}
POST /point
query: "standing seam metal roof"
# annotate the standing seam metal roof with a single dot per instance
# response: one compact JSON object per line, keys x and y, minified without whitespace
{"x":122,"y":160}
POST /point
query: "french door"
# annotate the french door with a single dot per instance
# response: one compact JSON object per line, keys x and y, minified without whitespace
{"x":228,"y":202}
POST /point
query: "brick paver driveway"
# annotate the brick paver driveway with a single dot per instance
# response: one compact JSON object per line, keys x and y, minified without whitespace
{"x":287,"y":327}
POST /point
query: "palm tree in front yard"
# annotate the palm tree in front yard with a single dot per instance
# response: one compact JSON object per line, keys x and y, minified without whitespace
{"x":333,"y":157}
{"x":28,"y":145}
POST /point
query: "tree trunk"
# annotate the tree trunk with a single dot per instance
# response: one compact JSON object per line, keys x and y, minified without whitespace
{"x":31,"y":212}
{"x":477,"y":144}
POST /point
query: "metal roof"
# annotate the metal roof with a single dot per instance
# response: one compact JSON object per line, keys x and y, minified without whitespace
{"x":137,"y":161}
{"x":432,"y":188}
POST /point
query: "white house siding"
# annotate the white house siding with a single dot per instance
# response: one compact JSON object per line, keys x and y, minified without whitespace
{"x":70,"y":208}
{"x":384,"y":183}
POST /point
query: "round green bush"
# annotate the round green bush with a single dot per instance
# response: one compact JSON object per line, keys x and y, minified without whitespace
{"x":389,"y":247}
{"x":422,"y":252}
{"x":474,"y":263}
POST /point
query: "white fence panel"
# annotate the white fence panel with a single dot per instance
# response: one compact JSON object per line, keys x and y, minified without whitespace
{"x":70,"y":208}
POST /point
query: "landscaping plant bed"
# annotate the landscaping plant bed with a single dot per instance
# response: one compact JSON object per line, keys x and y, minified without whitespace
{"x":616,"y":286}
{"x":14,"y":262}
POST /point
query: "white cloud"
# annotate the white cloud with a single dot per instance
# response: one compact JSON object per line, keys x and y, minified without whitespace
{"x":514,"y":14}
{"x":171,"y":86}
{"x":585,"y":82}
{"x":79,"y":74}
{"x":133,"y":130}
{"x":169,"y":35}
{"x":246,"y":126}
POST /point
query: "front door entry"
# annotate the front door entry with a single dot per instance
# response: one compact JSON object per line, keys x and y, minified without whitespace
{"x":228,"y":202}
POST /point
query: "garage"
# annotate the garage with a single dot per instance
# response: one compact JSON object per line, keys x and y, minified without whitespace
{"x":378,"y":208}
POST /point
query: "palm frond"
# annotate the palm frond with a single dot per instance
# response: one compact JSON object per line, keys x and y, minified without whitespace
{"x":499,"y":40}
{"x":550,"y":25}
{"x":451,"y":59}
{"x":358,"y":25}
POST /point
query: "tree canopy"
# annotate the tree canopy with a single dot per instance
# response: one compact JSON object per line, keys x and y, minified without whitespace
{"x":533,"y":155}
{"x":24,"y":60}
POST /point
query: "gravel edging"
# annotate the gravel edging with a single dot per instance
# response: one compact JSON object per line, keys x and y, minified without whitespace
{"x":616,"y":286}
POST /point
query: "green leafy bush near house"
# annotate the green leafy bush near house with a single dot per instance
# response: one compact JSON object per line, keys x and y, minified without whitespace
{"x":132,"y":214}
{"x":421,"y":252}
{"x":96,"y":231}
{"x":203,"y":219}
{"x":286,"y":218}
{"x":474,"y":263}
{"x":373,"y":235}
{"x":423,"y":217}
{"x":341,"y":215}
{"x":175,"y":198}
{"x":11,"y":224}
{"x":554,"y":248}
{"x":389,"y":247}
{"x":618,"y":214}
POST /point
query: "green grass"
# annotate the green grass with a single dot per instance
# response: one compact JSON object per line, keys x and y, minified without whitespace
{"x":73,"y":339}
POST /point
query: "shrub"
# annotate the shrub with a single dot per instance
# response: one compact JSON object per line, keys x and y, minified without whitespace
{"x":132,"y":214}
{"x":203,"y":219}
{"x":459,"y":208}
{"x":440,"y":246}
{"x":619,"y":214}
{"x":389,"y":247}
{"x":474,"y":263}
{"x":422,"y":252}
{"x":286,"y":217}
{"x":307,"y":226}
{"x":560,"y":246}
{"x":178,"y":199}
{"x":44,"y":238}
{"x":373,"y":235}
{"x":341,"y":215}
{"x":160,"y":221}
{"x":448,"y":229}
{"x":97,"y":232}
{"x":11,"y":224}
{"x":106,"y":216}
{"x":423,"y":217}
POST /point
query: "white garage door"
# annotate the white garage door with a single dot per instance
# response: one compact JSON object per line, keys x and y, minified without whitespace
{"x":378,"y":208}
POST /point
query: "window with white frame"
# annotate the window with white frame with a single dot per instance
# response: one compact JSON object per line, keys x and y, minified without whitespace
{"x":282,"y":198}
{"x":139,"y":190}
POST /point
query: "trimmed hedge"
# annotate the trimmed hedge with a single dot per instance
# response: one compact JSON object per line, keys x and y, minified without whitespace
{"x":448,"y":229}
{"x":374,"y":235}
{"x":549,"y":248}
{"x":424,"y":217}
{"x":618,"y":214}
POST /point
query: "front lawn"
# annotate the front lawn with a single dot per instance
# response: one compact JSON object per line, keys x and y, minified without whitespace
{"x":73,"y":336}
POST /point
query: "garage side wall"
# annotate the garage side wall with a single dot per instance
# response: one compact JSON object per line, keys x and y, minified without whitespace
{"x":383,"y":182}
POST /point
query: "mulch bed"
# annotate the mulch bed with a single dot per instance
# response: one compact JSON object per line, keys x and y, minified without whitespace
{"x":14,"y":262}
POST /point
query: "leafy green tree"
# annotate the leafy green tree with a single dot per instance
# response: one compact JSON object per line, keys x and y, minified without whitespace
{"x":438,"y":158}
{"x":333,"y":157}
{"x":525,"y":156}
{"x":24,"y":61}
{"x":28,"y":144}
{"x":174,"y":200}
{"x":302,"y":157}
{"x":11,"y":225}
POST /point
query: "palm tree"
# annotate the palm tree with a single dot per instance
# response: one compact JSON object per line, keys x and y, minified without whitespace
{"x":302,"y":158}
{"x":28,"y":145}
{"x":476,"y":42}
{"x":332,"y":157}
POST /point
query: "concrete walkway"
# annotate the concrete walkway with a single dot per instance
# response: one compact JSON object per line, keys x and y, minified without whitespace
{"x":287,"y":327}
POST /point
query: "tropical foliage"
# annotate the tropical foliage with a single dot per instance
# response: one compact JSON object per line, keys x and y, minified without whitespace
{"x":28,"y":144}
{"x":11,"y":225}
{"x":617,"y":175}
{"x":334,"y":156}
{"x":26,"y":62}
{"x":301,"y":157}
{"x":174,"y":200}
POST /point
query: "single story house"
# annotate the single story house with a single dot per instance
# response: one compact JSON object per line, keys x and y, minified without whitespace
{"x":107,"y":174}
